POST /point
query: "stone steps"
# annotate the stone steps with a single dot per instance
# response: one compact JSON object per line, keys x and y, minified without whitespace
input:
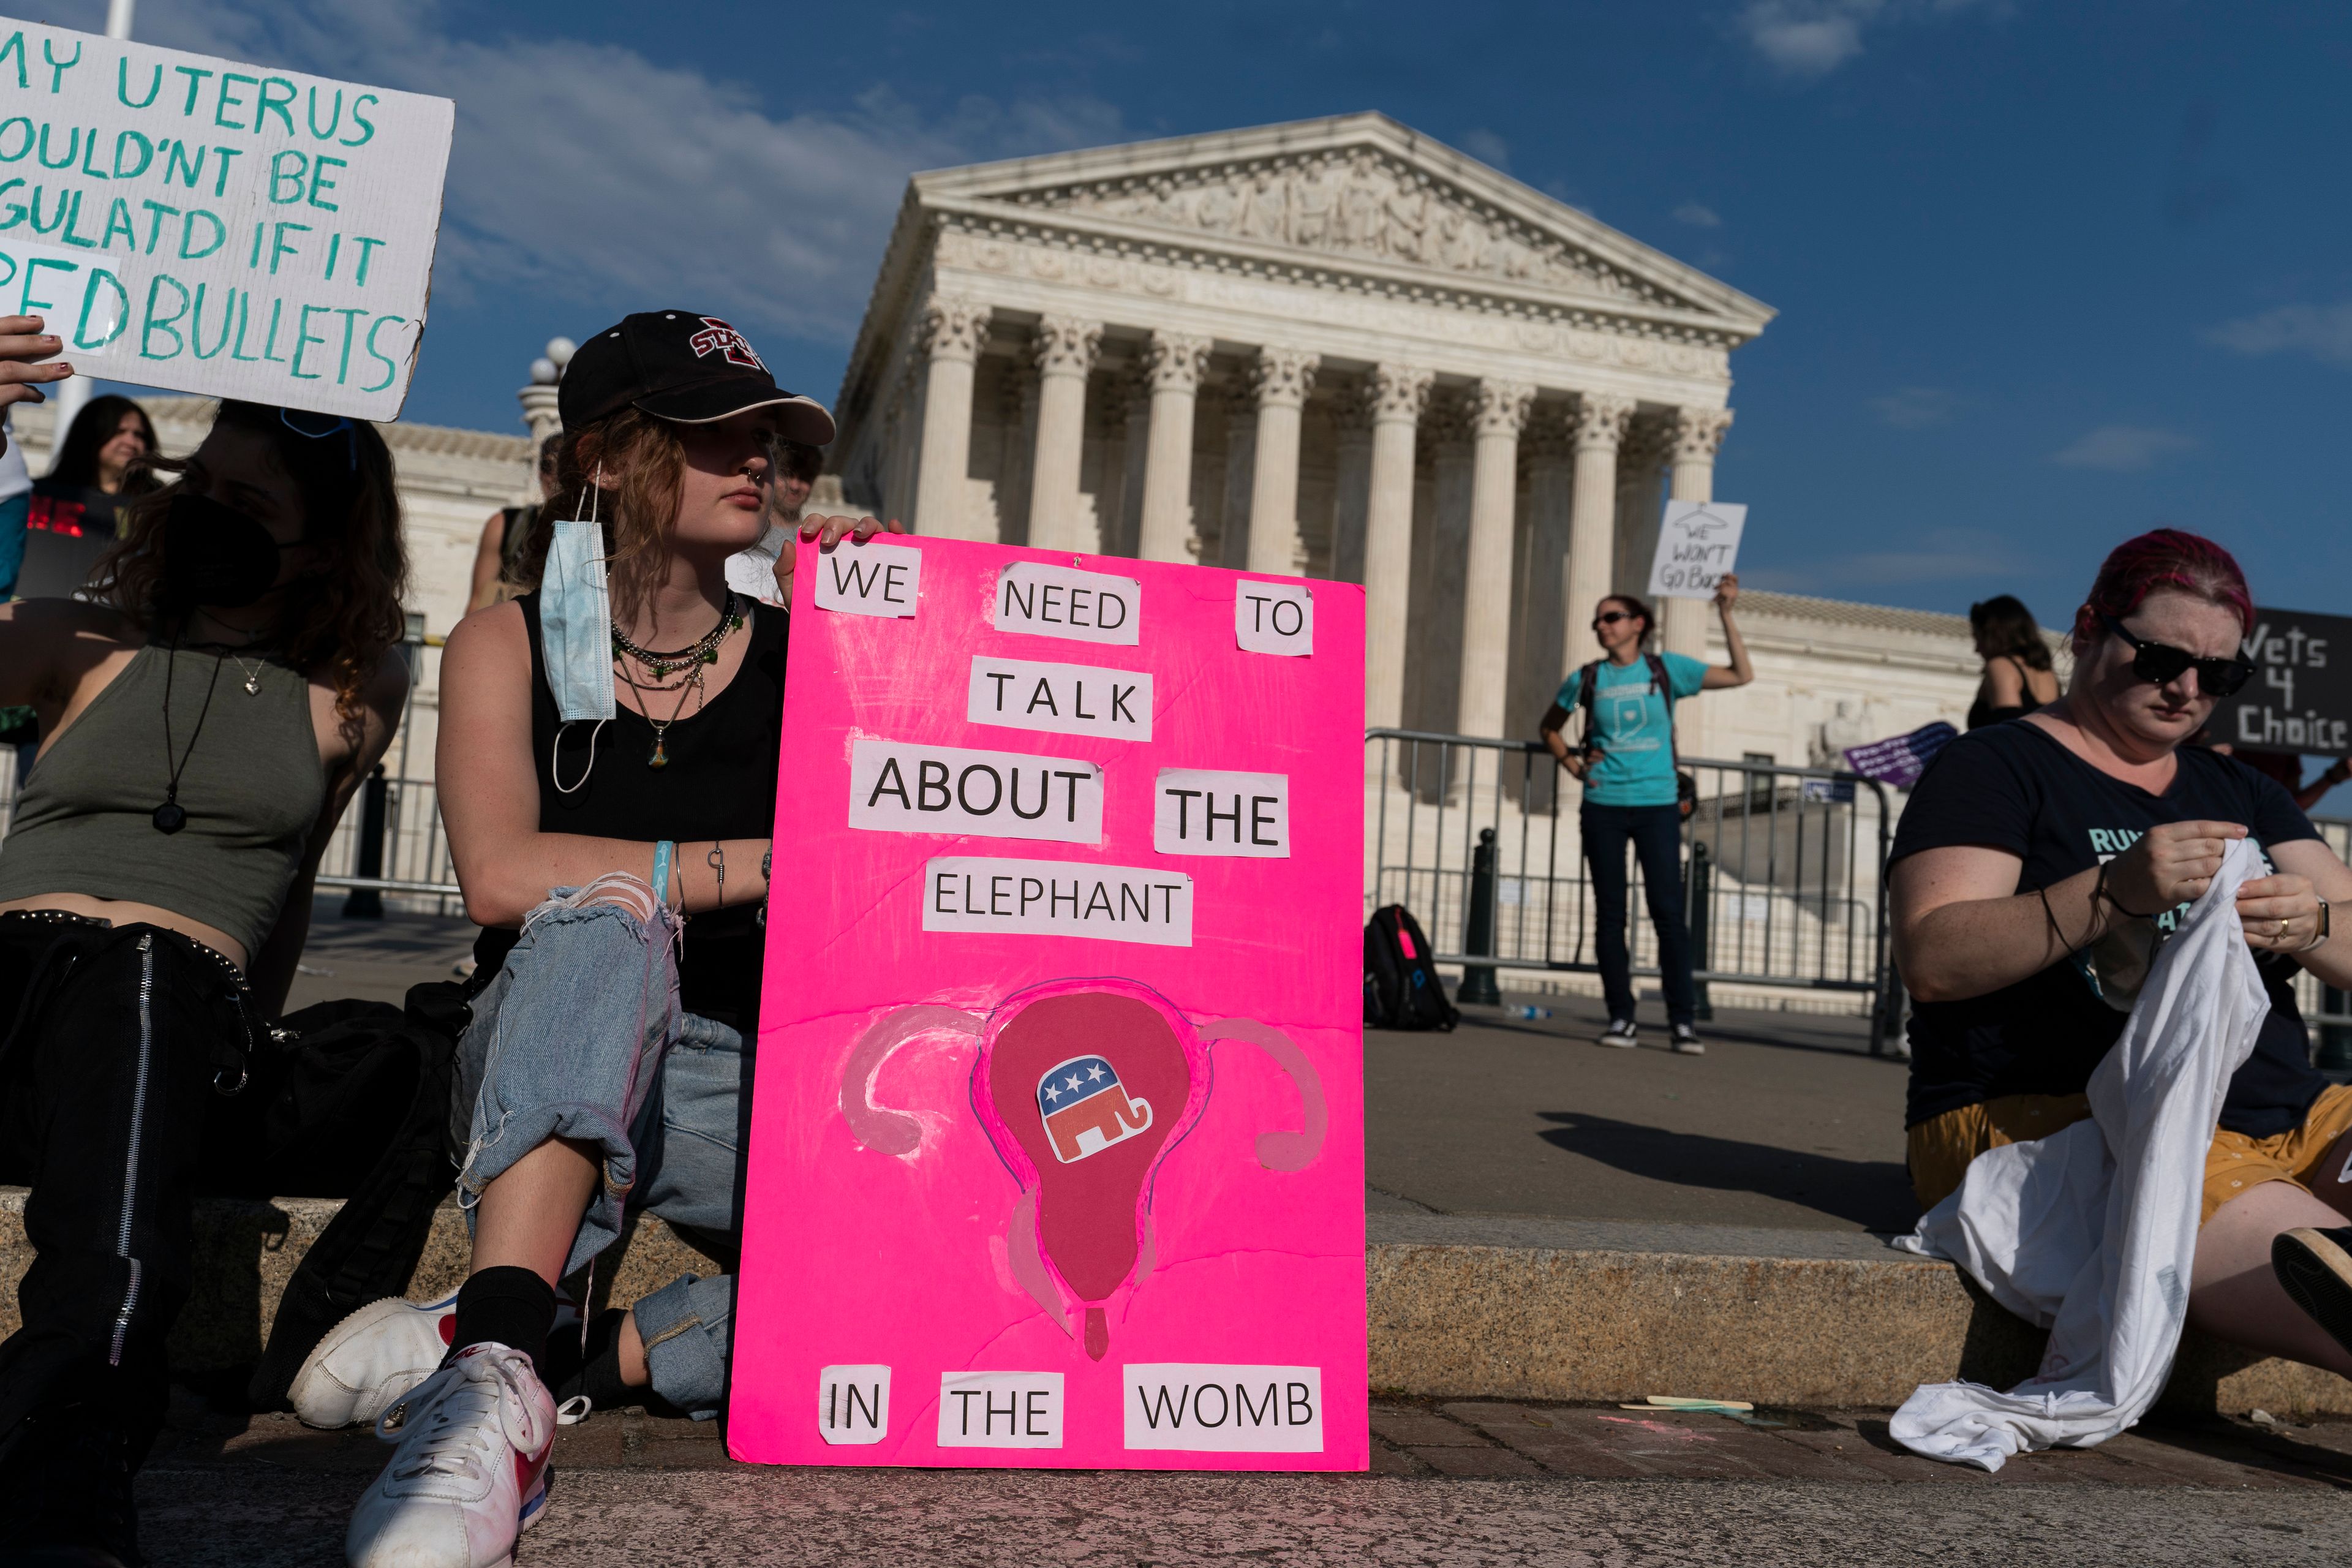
{"x":1460,"y":1305}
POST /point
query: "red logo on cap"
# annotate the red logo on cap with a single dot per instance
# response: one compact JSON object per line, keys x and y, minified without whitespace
{"x":718,"y":338}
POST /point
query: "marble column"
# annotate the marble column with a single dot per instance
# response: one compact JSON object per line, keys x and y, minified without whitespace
{"x":1173,"y":364}
{"x":1280,"y":381}
{"x":1500,"y":409}
{"x":1064,"y":350}
{"x":953,"y":328}
{"x":1699,"y":435}
{"x":1395,"y":397}
{"x":1597,"y":427}
{"x":1641,"y":468}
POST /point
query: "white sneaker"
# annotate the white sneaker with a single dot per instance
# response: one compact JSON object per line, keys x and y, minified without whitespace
{"x":1619,"y":1034}
{"x":370,"y":1359}
{"x":379,"y":1352}
{"x":470,"y":1472}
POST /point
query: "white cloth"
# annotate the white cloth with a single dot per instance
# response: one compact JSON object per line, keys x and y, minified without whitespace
{"x":2090,"y":1232}
{"x":16,"y":479}
{"x":752,"y":572}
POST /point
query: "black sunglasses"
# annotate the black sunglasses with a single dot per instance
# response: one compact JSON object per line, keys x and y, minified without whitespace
{"x":1611,"y":617}
{"x":2160,"y":663}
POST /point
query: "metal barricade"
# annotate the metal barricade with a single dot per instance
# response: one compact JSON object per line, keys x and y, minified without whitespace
{"x":1782,"y":868}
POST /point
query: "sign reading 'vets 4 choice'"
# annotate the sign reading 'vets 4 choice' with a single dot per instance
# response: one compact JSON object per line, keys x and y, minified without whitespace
{"x":234,"y":230}
{"x":2300,"y":699}
{"x":1057,"y":1133}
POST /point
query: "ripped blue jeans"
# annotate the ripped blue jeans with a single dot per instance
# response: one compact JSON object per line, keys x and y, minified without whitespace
{"x":579,"y":1036}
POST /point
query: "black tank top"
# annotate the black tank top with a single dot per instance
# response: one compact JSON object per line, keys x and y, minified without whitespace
{"x":720,"y":783}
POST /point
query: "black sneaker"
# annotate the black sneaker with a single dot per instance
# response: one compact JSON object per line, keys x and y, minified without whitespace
{"x":1619,"y":1034}
{"x":1683,"y":1040}
{"x":2315,"y":1267}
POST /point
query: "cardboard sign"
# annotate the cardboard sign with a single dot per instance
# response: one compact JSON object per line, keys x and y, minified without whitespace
{"x":2300,"y":699}
{"x":227,"y":229}
{"x":1057,"y":1127}
{"x":1698,"y":542}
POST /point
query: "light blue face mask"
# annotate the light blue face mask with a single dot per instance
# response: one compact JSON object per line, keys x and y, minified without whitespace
{"x":575,"y":625}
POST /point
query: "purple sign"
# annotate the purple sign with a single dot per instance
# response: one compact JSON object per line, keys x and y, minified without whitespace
{"x":1901,"y":760}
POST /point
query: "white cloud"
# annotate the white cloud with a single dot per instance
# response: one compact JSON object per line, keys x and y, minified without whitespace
{"x":1697,"y":215}
{"x":2323,"y":331}
{"x":591,"y":173}
{"x":1915,"y":407}
{"x":1486,"y":147}
{"x":2124,"y":449}
{"x":1940,"y":555}
{"x":1807,"y":40}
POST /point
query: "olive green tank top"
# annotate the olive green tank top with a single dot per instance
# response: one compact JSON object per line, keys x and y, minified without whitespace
{"x":252,"y":787}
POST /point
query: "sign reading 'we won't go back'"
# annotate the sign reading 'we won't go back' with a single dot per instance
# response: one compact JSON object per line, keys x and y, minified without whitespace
{"x":233,"y":230}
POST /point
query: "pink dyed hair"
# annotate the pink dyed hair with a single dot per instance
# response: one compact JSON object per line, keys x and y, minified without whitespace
{"x":2164,"y":558}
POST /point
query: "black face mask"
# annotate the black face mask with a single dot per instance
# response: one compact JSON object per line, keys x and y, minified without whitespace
{"x":215,"y":554}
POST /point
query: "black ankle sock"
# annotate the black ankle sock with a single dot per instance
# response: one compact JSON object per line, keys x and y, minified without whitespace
{"x":598,"y":1372}
{"x":511,"y":1307}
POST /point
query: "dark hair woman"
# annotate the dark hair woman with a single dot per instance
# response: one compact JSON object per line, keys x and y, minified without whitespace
{"x":206,"y":719}
{"x":608,"y":769}
{"x":1632,"y":796}
{"x":74,"y":514}
{"x":2016,"y":674}
{"x":2020,"y":947}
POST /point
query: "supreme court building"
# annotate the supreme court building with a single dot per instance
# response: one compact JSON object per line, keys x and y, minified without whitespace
{"x":1333,"y":348}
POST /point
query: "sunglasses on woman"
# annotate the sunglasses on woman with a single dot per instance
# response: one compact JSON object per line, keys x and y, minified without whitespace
{"x":2160,"y":663}
{"x":1611,"y":617}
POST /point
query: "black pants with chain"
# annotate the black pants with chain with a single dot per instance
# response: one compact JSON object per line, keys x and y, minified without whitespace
{"x":118,"y":1043}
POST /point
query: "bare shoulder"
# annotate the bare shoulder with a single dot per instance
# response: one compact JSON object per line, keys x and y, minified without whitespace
{"x":489,"y":633}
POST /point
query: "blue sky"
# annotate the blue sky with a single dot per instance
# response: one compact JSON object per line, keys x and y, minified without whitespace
{"x":2048,"y":274}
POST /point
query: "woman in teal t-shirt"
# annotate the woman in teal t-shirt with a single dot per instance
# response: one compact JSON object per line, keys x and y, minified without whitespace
{"x":1627,"y":767}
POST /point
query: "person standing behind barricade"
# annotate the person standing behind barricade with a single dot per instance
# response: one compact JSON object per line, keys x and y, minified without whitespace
{"x":607,"y":771}
{"x":208,"y":713}
{"x":2017,"y":678}
{"x":72,"y":521}
{"x":2035,"y":869}
{"x":1632,"y":791}
{"x":508,"y":542}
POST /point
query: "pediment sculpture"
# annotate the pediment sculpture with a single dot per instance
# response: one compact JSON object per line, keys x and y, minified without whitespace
{"x":1358,"y":203}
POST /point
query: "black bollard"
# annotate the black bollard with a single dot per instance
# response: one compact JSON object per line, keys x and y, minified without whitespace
{"x":367,"y":903}
{"x":1702,"y":873}
{"x":1478,"y":926}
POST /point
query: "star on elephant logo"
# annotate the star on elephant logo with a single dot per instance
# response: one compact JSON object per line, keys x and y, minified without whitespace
{"x":1086,"y":1109}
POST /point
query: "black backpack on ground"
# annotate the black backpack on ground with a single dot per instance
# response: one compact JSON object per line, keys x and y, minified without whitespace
{"x":354,"y":1108}
{"x":1402,"y":989}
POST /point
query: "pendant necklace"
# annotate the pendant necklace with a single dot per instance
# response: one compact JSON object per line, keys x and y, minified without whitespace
{"x":686,"y":663}
{"x":252,"y":676}
{"x":660,"y":759}
{"x":171,"y":816}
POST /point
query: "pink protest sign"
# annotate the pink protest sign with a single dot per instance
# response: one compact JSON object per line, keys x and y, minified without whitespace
{"x":1056,"y":1150}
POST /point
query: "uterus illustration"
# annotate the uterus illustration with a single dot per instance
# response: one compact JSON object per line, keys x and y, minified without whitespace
{"x":1084,"y":1087}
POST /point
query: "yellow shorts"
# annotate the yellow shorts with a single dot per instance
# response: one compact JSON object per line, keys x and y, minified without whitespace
{"x":1942,"y":1146}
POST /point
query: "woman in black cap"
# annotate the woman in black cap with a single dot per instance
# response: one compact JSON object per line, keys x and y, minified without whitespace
{"x":607,"y":770}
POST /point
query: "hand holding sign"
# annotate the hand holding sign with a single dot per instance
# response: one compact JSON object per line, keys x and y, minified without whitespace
{"x":1698,"y":544}
{"x":22,"y":341}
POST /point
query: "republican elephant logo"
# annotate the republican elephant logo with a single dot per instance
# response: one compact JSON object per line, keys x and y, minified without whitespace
{"x":1086,"y":1109}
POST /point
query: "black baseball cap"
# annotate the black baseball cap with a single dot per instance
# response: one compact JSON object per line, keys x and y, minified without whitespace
{"x":682,"y":366}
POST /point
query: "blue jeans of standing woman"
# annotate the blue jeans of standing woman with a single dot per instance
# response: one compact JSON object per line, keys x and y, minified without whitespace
{"x":1655,"y":832}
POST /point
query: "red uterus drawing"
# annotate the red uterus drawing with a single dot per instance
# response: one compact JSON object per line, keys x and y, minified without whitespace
{"x":1084,"y":1087}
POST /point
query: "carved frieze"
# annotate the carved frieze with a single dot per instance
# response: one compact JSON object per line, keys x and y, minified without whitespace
{"x":1355,"y":202}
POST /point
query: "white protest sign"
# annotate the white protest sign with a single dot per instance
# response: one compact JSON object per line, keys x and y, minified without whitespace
{"x":1697,"y":543}
{"x":870,"y":579}
{"x":231,"y":230}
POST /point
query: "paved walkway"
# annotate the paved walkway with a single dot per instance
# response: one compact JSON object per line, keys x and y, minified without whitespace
{"x":1464,"y":1482}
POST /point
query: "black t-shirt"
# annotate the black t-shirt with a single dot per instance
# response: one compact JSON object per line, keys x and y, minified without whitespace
{"x":2015,"y":787}
{"x":720,"y":782}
